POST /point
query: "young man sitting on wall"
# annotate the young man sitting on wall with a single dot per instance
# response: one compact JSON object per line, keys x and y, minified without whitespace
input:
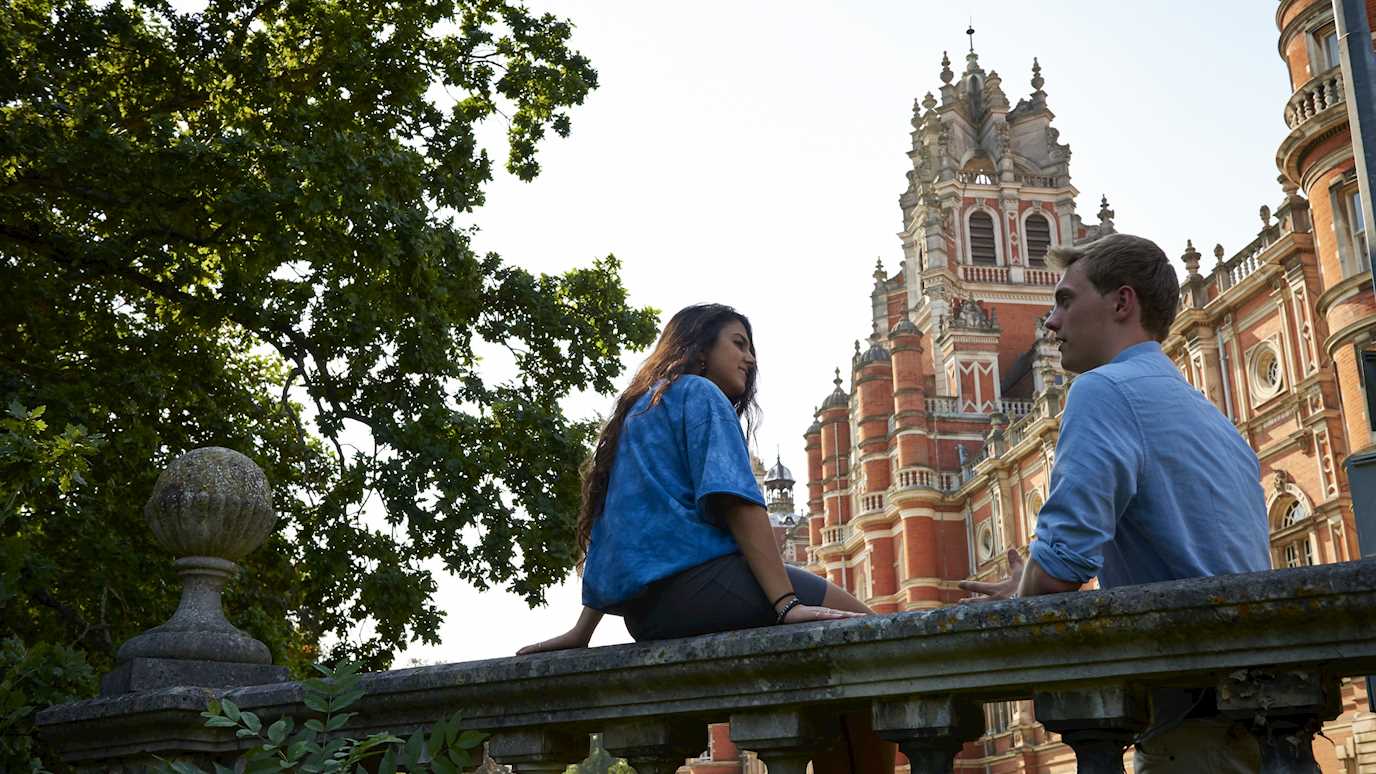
{"x":1151,"y":482}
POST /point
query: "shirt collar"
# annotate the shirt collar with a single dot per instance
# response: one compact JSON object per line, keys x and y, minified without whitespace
{"x":1138,"y":350}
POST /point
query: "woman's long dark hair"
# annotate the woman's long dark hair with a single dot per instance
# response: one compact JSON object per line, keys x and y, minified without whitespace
{"x":682,"y":349}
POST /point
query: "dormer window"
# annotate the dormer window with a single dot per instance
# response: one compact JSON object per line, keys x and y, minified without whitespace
{"x":982,"y":246}
{"x":1037,"y":230}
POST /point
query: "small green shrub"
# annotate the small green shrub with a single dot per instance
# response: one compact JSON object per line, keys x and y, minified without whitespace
{"x":447,"y":749}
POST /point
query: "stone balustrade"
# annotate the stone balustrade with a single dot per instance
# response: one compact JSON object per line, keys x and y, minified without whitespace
{"x":911,"y":478}
{"x":1314,"y":97}
{"x":835,"y":534}
{"x":1041,"y":277}
{"x":1246,"y":261}
{"x":995,"y":274}
{"x":872,"y":503}
{"x":975,"y":177}
{"x":1016,"y":408}
{"x":1272,"y":644}
{"x":943,"y":405}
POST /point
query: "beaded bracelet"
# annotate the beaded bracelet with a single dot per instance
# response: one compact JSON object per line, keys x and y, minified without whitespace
{"x":791,"y":604}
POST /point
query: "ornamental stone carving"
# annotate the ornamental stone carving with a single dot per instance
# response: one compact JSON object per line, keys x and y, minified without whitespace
{"x":211,"y":502}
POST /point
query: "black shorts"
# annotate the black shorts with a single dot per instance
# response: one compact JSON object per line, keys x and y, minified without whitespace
{"x":719,"y":595}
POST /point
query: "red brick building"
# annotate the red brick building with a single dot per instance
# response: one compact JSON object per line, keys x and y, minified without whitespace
{"x":937,"y":457}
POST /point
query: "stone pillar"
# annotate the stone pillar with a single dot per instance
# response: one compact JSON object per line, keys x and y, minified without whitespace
{"x":1098,"y":723}
{"x":655,"y":745}
{"x":929,"y":730}
{"x":210,"y":508}
{"x":537,"y":751}
{"x":784,"y":739}
{"x":1283,"y":709}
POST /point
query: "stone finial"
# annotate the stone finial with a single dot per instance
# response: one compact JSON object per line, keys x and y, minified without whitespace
{"x":1265,"y":213}
{"x":1218,"y":253}
{"x":929,"y":102}
{"x":946,"y":75}
{"x":837,"y":380}
{"x":1191,"y":258}
{"x":1105,"y":212}
{"x":1037,"y":80}
{"x":1288,"y":186}
{"x":209,"y":508}
{"x":879,"y":275}
{"x":211,"y":502}
{"x":972,"y":63}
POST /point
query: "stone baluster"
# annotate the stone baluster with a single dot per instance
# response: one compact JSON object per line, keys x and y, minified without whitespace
{"x":1097,"y":723}
{"x":784,"y":739}
{"x":929,"y":730}
{"x":655,"y":745}
{"x":209,"y":508}
{"x":1283,"y":709}
{"x":538,"y":751}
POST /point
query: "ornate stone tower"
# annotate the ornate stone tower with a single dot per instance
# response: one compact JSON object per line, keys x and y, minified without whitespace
{"x":955,"y":346}
{"x":1317,"y":158}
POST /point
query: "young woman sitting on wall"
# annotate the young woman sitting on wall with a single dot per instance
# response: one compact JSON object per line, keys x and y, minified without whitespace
{"x":674,"y":531}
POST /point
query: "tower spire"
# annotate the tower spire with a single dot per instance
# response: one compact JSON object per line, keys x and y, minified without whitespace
{"x":971,"y":32}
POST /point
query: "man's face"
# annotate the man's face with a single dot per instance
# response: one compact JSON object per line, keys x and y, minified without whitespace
{"x":1082,"y":320}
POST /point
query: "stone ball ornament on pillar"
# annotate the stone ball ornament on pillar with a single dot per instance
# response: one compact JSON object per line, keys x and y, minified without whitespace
{"x":210,"y":508}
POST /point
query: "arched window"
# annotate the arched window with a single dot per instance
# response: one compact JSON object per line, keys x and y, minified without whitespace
{"x":1294,"y":545}
{"x":982,"y":246}
{"x":1293,"y":514}
{"x":1038,"y":233}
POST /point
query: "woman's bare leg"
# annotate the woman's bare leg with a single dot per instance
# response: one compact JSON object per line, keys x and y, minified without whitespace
{"x":838,"y":598}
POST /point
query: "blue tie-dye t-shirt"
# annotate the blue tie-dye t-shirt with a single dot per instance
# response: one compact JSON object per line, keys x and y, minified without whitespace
{"x":670,"y":457}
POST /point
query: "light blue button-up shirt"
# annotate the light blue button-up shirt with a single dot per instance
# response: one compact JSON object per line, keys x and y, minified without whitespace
{"x":1151,"y":482}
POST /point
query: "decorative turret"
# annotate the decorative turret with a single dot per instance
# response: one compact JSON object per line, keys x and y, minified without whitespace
{"x":778,"y":491}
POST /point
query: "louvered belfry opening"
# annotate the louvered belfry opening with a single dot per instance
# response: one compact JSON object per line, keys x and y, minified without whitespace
{"x":982,"y":239}
{"x":1038,"y":231}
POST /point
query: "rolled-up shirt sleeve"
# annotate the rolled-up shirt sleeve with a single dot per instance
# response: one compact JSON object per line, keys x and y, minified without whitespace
{"x":718,"y":460}
{"x":1099,"y":457}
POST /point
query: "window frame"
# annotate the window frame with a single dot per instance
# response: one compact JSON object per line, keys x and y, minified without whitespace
{"x":1035,"y":212}
{"x":969,"y":237}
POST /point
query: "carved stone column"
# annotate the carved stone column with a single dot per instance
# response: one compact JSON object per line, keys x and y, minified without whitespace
{"x":929,"y":731}
{"x":538,"y":751}
{"x":209,"y":508}
{"x":655,"y":745}
{"x":1283,"y":709}
{"x":1098,"y":723}
{"x":784,"y":739}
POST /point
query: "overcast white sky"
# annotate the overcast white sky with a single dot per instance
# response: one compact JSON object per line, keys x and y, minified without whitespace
{"x":752,"y":153}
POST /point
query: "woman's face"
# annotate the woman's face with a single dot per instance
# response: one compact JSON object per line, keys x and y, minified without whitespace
{"x":731,"y":359}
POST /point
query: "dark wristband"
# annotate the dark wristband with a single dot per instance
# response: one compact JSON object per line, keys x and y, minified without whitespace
{"x":791,"y":604}
{"x":781,"y":598}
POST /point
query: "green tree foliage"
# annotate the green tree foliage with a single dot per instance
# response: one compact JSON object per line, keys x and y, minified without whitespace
{"x":34,"y":461}
{"x":237,"y":227}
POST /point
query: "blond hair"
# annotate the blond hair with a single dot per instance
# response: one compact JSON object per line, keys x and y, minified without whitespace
{"x":1123,"y":259}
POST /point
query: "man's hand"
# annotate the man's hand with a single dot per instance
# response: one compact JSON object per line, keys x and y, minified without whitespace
{"x":1004,"y":589}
